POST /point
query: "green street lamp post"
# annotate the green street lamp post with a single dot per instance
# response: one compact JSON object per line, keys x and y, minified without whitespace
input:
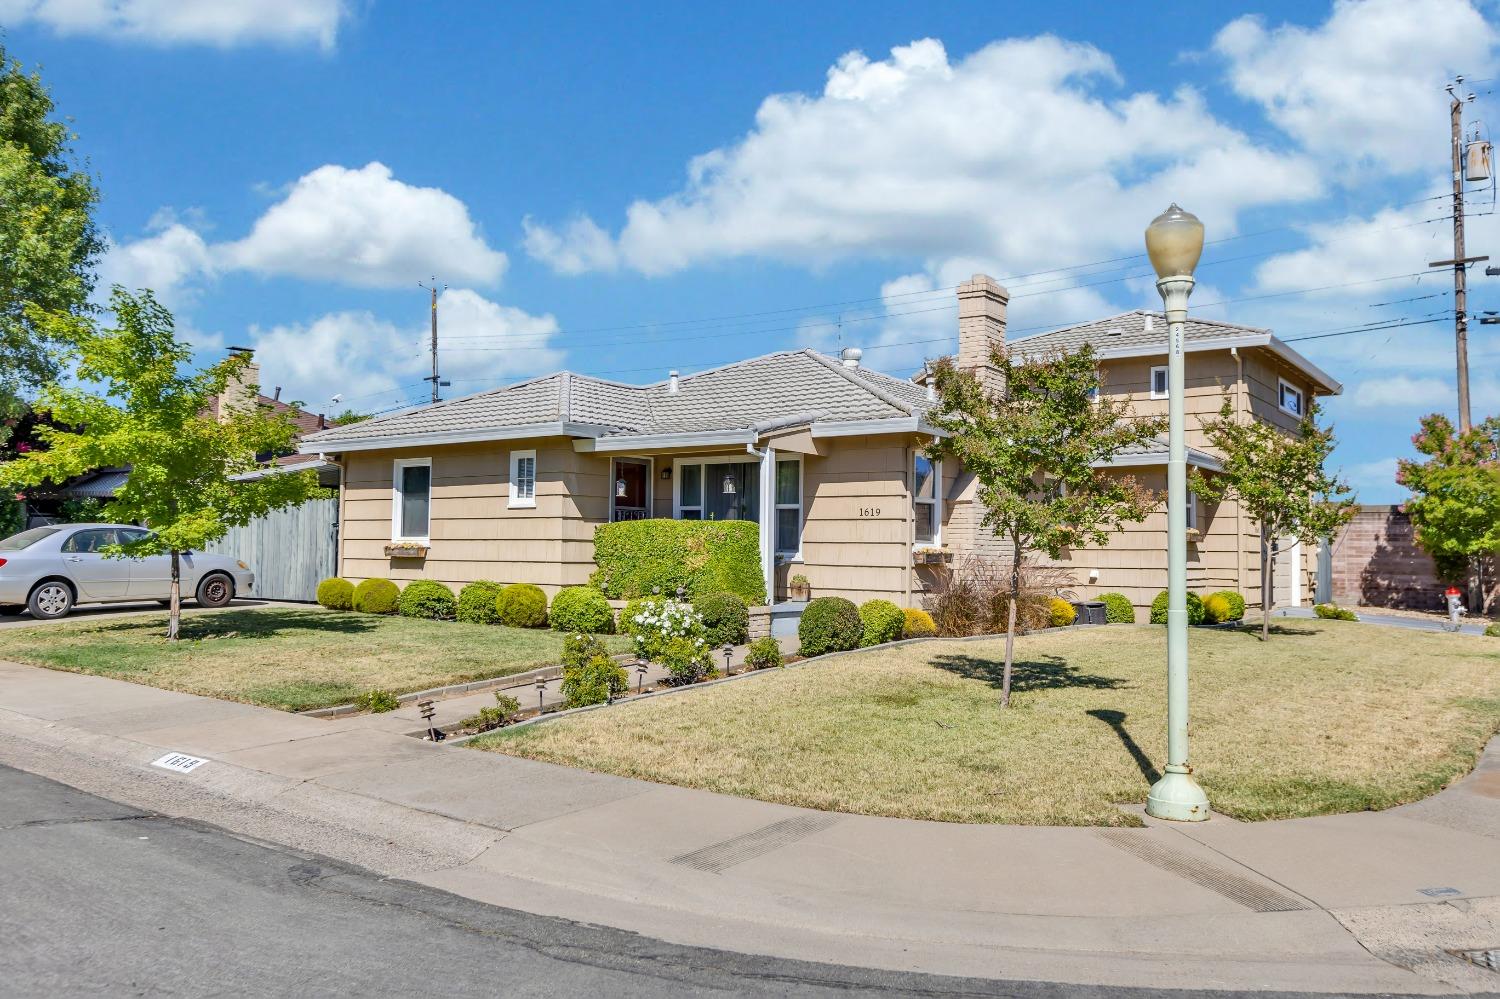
{"x":1174,"y":241}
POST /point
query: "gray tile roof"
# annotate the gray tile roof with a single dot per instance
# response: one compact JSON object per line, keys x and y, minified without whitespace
{"x":798,"y":384}
{"x":1130,"y":330}
{"x":1158,"y":450}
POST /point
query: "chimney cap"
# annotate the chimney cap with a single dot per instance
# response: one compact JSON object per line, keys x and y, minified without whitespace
{"x":242,"y":350}
{"x":850,"y":356}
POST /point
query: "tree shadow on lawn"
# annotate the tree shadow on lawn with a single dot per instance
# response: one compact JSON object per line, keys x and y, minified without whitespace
{"x":1253,"y":630}
{"x":1047,"y":673}
{"x":253,"y":624}
{"x":1116,"y":720}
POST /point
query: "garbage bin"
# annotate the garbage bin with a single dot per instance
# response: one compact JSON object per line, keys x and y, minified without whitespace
{"x":1089,"y":612}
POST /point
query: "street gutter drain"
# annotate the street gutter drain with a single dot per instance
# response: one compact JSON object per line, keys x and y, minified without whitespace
{"x":716,"y":858}
{"x":1489,"y":959}
{"x":1236,"y":887}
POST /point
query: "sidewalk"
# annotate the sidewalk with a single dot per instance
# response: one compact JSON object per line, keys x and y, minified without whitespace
{"x":1355,"y":903}
{"x":1391,"y":620}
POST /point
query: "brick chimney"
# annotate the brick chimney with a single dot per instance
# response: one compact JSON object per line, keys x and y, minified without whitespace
{"x":240,"y":394}
{"x":981,"y":327}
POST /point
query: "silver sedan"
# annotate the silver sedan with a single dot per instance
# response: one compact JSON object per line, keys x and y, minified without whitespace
{"x":48,"y":570}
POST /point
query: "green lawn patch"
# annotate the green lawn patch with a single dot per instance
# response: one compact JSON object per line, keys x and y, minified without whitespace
{"x":1326,"y":717}
{"x":291,"y":658}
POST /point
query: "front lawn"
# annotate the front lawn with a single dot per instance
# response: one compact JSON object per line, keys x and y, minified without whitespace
{"x":292,"y":658}
{"x":1327,"y":717}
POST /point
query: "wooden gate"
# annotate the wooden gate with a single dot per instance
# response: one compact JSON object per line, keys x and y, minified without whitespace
{"x":290,"y":550}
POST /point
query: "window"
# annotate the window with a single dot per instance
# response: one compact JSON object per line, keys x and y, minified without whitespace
{"x":718,"y":490}
{"x":690,"y":492}
{"x":90,"y":542}
{"x":24,"y":540}
{"x":1289,"y":398}
{"x":411,"y":499}
{"x":1159,"y":382}
{"x":927,"y":498}
{"x":1192,"y":511}
{"x":523,"y":478}
{"x":630,"y":489}
{"x":789,"y":507}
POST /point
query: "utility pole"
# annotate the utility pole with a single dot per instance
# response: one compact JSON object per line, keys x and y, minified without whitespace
{"x":1459,"y":263}
{"x":437,"y":383}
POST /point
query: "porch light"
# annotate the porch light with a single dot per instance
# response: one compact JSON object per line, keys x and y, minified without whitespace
{"x":620,"y":488}
{"x":728,"y":483}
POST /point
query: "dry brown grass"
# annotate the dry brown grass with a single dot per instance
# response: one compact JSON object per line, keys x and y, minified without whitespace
{"x":1328,"y":717}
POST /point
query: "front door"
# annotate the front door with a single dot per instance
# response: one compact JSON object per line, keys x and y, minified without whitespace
{"x":631,"y":496}
{"x":96,"y":576}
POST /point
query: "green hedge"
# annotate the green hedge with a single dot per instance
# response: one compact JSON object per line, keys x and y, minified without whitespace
{"x":582,"y":609}
{"x":829,"y":624}
{"x":637,"y":557}
{"x":427,"y":598}
{"x":376,"y":596}
{"x":1194,"y":608}
{"x":726,"y":619}
{"x":1117,"y":608}
{"x":522,"y":605}
{"x":883,"y":622}
{"x":476,"y":602}
{"x":336,"y":593}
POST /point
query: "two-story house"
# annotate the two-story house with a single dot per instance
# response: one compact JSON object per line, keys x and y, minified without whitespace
{"x":822,"y":453}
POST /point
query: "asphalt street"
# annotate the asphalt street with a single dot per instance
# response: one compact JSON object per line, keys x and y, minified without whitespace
{"x":101,"y":899}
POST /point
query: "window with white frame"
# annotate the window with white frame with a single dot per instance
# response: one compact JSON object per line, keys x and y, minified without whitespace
{"x":1288,"y":397}
{"x":1159,"y":382}
{"x":789,"y":507}
{"x":1192,"y":510}
{"x":522,"y":478}
{"x":411,"y":499}
{"x":927,"y":499}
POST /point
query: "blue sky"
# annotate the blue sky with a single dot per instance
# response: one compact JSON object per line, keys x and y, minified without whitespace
{"x":624,"y":193}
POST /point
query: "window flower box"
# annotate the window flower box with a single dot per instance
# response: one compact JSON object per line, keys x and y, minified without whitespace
{"x":931,"y":555}
{"x":406,"y":549}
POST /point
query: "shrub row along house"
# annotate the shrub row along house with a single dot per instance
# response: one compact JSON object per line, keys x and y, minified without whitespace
{"x":821,"y":453}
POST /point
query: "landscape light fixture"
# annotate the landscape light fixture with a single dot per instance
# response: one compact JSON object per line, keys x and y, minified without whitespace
{"x":640,"y":669}
{"x":541,"y":689}
{"x":1174,"y":242}
{"x":428,"y":709}
{"x":728,"y":653}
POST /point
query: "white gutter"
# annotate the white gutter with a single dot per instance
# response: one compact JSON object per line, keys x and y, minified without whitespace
{"x":637,"y":442}
{"x":316,"y":445}
{"x":855,"y":428}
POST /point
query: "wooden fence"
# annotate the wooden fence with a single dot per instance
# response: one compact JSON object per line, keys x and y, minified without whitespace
{"x":290,"y":550}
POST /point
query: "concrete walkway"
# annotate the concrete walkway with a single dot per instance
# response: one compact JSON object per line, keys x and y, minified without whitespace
{"x":1390,"y":620}
{"x":1365,"y":903}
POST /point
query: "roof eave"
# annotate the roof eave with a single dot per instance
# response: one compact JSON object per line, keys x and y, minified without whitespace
{"x":1207,"y":462}
{"x":558,"y":428}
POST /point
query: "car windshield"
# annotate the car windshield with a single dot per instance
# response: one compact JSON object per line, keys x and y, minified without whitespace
{"x":26,"y":539}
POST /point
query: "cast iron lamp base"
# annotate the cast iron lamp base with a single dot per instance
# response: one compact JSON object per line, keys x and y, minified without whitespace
{"x":1177,"y":797}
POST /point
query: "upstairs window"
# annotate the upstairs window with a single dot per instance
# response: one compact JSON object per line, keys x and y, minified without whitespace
{"x":1159,"y":382}
{"x":1288,"y":397}
{"x":412,"y":496}
{"x":523,"y":478}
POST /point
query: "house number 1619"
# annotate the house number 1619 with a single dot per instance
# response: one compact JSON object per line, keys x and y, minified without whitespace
{"x":869,"y":511}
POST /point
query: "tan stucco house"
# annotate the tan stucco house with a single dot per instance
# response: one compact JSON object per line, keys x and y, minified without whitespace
{"x":824,"y":454}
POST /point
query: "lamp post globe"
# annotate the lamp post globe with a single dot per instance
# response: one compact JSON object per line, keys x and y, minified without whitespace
{"x":1174,"y":242}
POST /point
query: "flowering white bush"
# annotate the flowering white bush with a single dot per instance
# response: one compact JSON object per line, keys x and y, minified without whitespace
{"x":671,"y":633}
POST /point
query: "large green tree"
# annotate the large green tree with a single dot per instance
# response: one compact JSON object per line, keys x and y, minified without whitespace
{"x":1455,"y":502}
{"x":186,"y":469}
{"x":1036,"y":446}
{"x":48,"y":243}
{"x":1281,"y":480}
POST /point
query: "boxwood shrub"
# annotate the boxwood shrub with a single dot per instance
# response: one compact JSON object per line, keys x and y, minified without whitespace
{"x":1117,"y":608}
{"x":1236,"y":604}
{"x":376,"y":596}
{"x":522,"y":605}
{"x":919,"y":624}
{"x":883,"y":622}
{"x":726,"y":619}
{"x":476,"y":602}
{"x":639,"y":557}
{"x":764,"y":653}
{"x":336,"y":593}
{"x":582,"y":609}
{"x":829,"y":624}
{"x":427,"y":598}
{"x":1060,"y":613}
{"x":1194,"y":608}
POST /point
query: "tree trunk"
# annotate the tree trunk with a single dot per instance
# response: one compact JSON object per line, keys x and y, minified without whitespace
{"x":1266,"y":583}
{"x":174,"y":613}
{"x":1010,"y":630}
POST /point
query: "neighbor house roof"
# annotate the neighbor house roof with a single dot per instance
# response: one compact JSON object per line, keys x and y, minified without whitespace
{"x":735,"y":402}
{"x":1156,"y":452}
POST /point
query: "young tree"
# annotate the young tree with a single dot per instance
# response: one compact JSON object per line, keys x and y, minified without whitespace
{"x":1455,"y":504}
{"x":183,"y":465}
{"x":48,"y":243}
{"x":1035,"y":448}
{"x":1280,"y":480}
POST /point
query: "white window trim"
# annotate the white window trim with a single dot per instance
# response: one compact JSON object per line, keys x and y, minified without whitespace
{"x":936,"y":501}
{"x":396,"y":496}
{"x":1192,"y":510}
{"x":1151,"y":383}
{"x":519,"y":502}
{"x":650,"y":483}
{"x":789,"y":556}
{"x":1281,"y":386}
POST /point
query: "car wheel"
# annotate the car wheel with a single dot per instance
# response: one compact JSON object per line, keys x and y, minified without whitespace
{"x":215,"y":591}
{"x":11,"y":610}
{"x":50,"y":600}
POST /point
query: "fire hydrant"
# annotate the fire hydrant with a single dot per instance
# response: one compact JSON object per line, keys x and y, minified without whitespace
{"x":1456,"y":609}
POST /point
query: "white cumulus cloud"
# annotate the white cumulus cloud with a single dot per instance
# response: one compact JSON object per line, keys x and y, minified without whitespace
{"x":222,"y":23}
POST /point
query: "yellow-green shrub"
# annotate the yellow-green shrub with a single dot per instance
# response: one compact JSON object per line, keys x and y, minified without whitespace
{"x":919,"y":623}
{"x":336,"y":593}
{"x":376,"y":596}
{"x":1216,"y":609}
{"x":1062,"y":613}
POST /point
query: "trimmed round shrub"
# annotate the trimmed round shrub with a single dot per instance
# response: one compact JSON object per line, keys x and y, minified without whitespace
{"x":1332,"y":612}
{"x":883,"y":622}
{"x":726,"y":619}
{"x":1117,"y":608}
{"x":427,"y":598}
{"x":764,"y":653}
{"x":376,"y":596}
{"x":582,"y":609}
{"x":1236,"y":604}
{"x":1061,"y":613}
{"x":918,"y":623}
{"x":476,"y":602}
{"x":522,"y":605}
{"x":1216,"y":609}
{"x":336,"y":594}
{"x":1194,"y":608}
{"x":829,"y":624}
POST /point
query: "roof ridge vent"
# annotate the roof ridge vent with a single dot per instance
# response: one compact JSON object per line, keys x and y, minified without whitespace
{"x":1116,"y":331}
{"x":672,"y":382}
{"x":1149,"y":322}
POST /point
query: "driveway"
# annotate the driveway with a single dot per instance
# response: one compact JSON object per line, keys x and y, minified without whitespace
{"x":87,"y":611}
